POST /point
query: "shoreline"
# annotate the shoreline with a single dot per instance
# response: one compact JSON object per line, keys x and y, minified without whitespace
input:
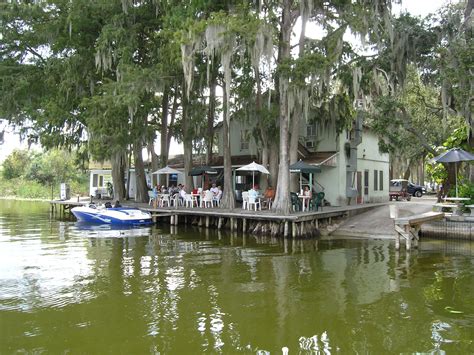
{"x":16,"y":198}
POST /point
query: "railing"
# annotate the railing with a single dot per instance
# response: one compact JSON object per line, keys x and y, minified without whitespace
{"x":331,"y":161}
{"x":306,"y":182}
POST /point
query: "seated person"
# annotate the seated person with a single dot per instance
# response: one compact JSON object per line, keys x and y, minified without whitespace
{"x":156,"y":191}
{"x":253,"y":193}
{"x":172,"y":190}
{"x":269,"y":195}
{"x":218,"y":196}
{"x":307,"y":192}
{"x":182,"y":194}
{"x":214,"y":189}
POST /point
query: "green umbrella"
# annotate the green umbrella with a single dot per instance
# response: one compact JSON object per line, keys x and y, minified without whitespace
{"x":304,"y":168}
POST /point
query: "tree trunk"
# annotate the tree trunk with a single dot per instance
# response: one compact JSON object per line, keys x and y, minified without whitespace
{"x":295,"y":131}
{"x":264,"y":179}
{"x":118,"y":161}
{"x":407,"y":173}
{"x":469,"y":33}
{"x":298,"y":112}
{"x":155,"y":161}
{"x":273,"y":165}
{"x":174,"y":109}
{"x":228,"y":197}
{"x":211,"y":113}
{"x":129,"y":166}
{"x":265,"y":160}
{"x":164,"y":134}
{"x":187,"y":143}
{"x":282,"y":197}
{"x":141,"y":191}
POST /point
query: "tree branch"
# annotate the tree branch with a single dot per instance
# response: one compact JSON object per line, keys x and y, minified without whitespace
{"x":406,"y":119}
{"x":35,"y":53}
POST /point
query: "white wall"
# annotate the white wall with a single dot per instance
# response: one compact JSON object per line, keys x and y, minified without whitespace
{"x":235,"y":147}
{"x":370,"y":158}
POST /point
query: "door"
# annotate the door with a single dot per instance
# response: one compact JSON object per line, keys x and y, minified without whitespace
{"x":359,"y":187}
{"x":366,"y":186}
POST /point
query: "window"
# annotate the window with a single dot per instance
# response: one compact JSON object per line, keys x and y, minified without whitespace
{"x":244,"y":139}
{"x":310,"y":130}
{"x":366,"y":182}
{"x":376,"y":183}
{"x":381,"y":180}
{"x":94,"y":180}
{"x":101,"y":180}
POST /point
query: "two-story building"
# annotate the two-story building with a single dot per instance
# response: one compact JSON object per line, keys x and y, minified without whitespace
{"x":353,"y":168}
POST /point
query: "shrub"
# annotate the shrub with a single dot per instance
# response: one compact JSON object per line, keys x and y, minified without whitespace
{"x":16,"y":164}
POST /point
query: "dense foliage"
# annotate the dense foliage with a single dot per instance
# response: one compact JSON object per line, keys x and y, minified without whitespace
{"x":38,"y":175}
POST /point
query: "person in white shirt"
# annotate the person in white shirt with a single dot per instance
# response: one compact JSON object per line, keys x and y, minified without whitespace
{"x":182,"y":194}
{"x":253,"y":193}
{"x":218,"y":197}
{"x":214,"y":190}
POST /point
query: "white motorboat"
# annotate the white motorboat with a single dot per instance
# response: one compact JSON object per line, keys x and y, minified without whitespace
{"x":113,"y":215}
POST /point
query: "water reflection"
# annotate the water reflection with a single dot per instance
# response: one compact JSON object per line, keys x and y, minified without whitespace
{"x":227,"y":292}
{"x":89,"y":230}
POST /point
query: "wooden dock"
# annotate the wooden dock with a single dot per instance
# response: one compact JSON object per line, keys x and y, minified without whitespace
{"x":296,"y":224}
{"x":408,"y":228}
{"x":62,"y":208}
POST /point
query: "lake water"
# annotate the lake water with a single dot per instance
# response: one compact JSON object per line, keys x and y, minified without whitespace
{"x":70,"y":288}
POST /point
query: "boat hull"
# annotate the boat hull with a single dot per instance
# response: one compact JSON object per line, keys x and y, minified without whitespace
{"x":116,"y":216}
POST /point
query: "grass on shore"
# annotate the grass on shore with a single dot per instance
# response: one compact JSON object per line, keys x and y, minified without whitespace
{"x":28,"y":189}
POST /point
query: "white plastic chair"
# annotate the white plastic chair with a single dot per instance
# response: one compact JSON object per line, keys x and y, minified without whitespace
{"x":217,"y":200}
{"x":206,"y":200}
{"x":151,"y":197}
{"x":174,"y":200}
{"x":245,"y":199}
{"x":165,"y":200}
{"x":254,"y":201}
{"x":189,"y":201}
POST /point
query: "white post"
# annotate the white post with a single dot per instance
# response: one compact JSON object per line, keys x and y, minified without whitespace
{"x":393,"y":211}
{"x":456,"y":176}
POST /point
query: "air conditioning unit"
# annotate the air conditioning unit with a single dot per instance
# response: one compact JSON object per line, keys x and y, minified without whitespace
{"x":310,"y":144}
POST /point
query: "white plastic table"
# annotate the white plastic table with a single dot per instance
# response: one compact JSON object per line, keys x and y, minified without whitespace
{"x":304,"y":200}
{"x":459,"y":201}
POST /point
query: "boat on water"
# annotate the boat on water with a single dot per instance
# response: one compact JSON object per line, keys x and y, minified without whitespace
{"x":112,"y":215}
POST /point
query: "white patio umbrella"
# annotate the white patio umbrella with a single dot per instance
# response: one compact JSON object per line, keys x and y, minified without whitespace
{"x":167,"y":171}
{"x":454,"y":155}
{"x":253,"y":167}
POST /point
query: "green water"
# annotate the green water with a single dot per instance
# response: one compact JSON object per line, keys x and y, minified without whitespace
{"x":69,"y":288}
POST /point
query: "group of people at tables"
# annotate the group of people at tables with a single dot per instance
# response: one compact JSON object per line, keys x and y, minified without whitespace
{"x":167,"y":197}
{"x":252,"y":199}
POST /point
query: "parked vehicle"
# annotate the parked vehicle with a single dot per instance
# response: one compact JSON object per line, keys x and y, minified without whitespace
{"x":416,"y":190}
{"x":398,"y":190}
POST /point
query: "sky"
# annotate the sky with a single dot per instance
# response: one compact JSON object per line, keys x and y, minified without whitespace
{"x":415,"y":7}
